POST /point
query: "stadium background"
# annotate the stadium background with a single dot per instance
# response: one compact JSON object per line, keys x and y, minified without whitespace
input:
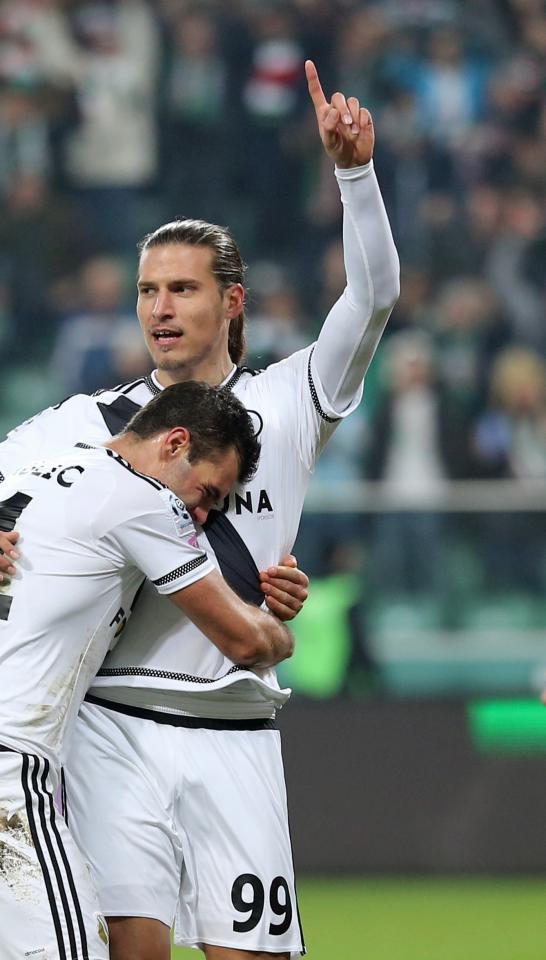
{"x":415,"y":740}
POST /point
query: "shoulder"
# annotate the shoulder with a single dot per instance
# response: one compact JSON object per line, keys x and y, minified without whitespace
{"x":241,"y":377}
{"x":145,"y":487}
{"x":140,"y":390}
{"x":294,"y":367}
{"x":120,"y":497}
{"x":116,"y":405}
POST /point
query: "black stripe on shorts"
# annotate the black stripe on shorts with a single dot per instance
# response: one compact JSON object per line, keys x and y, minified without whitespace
{"x":52,"y":857}
{"x":27,"y":782}
{"x":67,"y":867}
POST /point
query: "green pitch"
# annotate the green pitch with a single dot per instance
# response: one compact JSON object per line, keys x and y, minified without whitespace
{"x":421,"y":919}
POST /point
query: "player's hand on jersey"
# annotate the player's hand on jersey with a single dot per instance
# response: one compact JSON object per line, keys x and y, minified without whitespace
{"x":285,"y":588}
{"x":345,"y":128}
{"x":8,"y":553}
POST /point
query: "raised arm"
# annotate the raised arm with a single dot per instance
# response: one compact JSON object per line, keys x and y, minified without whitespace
{"x":353,"y":328}
{"x":244,"y":633}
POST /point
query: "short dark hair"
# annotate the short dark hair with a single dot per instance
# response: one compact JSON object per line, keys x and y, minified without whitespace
{"x":214,"y":416}
{"x":227,"y":264}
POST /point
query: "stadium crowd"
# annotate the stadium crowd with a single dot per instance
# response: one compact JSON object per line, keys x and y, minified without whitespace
{"x":116,"y":116}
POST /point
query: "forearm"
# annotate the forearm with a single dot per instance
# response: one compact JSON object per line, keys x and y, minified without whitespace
{"x":274,"y":643}
{"x":244,"y":633}
{"x":353,"y":328}
{"x":253,"y":637}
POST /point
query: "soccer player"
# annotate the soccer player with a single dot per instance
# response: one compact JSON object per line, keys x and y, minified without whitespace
{"x":175,"y":781}
{"x":94,"y":521}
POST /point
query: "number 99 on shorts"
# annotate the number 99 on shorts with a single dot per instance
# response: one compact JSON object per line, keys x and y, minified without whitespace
{"x":248,"y":897}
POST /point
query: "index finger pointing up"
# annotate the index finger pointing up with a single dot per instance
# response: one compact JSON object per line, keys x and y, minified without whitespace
{"x":313,"y":83}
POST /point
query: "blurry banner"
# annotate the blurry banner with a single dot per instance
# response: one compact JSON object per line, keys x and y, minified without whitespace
{"x":508,"y":726}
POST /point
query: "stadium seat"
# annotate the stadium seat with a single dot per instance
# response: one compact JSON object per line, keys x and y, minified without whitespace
{"x":406,"y":615}
{"x":503,"y":612}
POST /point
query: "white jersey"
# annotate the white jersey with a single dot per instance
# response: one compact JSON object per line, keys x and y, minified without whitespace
{"x":91,"y":528}
{"x":161,"y":663}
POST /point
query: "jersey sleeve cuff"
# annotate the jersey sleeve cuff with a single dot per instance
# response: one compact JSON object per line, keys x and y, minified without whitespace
{"x":183,"y":576}
{"x":354,"y":173}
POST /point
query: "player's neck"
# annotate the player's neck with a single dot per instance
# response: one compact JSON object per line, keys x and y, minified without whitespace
{"x":141,"y":455}
{"x":213,"y":372}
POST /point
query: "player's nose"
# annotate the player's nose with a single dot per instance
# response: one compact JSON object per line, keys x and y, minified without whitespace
{"x":200,"y":514}
{"x":163,"y":306}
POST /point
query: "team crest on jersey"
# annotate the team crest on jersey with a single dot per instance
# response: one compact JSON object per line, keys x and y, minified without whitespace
{"x":179,"y":512}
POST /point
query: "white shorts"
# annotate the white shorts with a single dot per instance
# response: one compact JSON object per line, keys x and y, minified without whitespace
{"x":48,"y":907}
{"x":187,"y":826}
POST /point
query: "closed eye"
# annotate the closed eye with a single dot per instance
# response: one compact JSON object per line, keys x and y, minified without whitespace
{"x":212,"y":493}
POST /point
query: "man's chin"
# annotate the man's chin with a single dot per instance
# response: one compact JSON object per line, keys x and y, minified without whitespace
{"x":169,"y":362}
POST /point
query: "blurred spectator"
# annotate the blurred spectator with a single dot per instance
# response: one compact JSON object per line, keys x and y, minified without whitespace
{"x":194,"y":110}
{"x":482,"y":217}
{"x":510,"y":442}
{"x":271,"y":97}
{"x":412,"y":311}
{"x":88,"y":354}
{"x":24,"y":147}
{"x":523,"y":299}
{"x":278,"y":327}
{"x":510,"y":438}
{"x":468,"y":331}
{"x":413,"y":164}
{"x":4,"y":312}
{"x":361,"y":54}
{"x":450,"y":87}
{"x":41,"y":243}
{"x":332,"y":656}
{"x":415,"y":447}
{"x":108,"y":51}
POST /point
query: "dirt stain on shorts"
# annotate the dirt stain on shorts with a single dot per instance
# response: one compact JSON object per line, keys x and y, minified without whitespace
{"x":102,"y":928}
{"x":19,"y":868}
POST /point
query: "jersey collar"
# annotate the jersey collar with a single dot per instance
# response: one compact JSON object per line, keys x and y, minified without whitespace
{"x":155,"y":387}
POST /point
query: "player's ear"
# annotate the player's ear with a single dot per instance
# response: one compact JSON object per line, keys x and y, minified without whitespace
{"x":234,"y":300}
{"x":177,"y":442}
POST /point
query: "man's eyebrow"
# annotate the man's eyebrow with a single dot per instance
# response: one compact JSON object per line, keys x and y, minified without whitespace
{"x":177,"y":281}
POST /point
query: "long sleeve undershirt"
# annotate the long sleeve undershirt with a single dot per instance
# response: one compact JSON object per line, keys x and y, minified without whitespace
{"x":353,"y":328}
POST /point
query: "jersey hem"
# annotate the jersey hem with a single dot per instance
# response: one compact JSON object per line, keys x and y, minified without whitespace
{"x":180,"y":720}
{"x":272,"y":698}
{"x":193,"y":942}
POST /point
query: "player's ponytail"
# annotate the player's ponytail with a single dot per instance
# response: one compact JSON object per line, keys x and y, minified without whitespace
{"x":237,"y":338}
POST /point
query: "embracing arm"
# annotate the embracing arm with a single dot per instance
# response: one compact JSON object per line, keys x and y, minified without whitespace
{"x":353,"y":328}
{"x":244,"y":633}
{"x":53,"y":429}
{"x":285,"y":587}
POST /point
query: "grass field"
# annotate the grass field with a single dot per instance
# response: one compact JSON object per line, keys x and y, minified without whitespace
{"x":421,"y":919}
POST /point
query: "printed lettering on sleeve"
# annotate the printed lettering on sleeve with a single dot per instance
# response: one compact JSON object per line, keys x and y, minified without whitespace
{"x":183,"y":522}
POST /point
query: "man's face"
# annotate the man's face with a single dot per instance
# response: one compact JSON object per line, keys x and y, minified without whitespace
{"x":183,"y":313}
{"x":203,"y":483}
